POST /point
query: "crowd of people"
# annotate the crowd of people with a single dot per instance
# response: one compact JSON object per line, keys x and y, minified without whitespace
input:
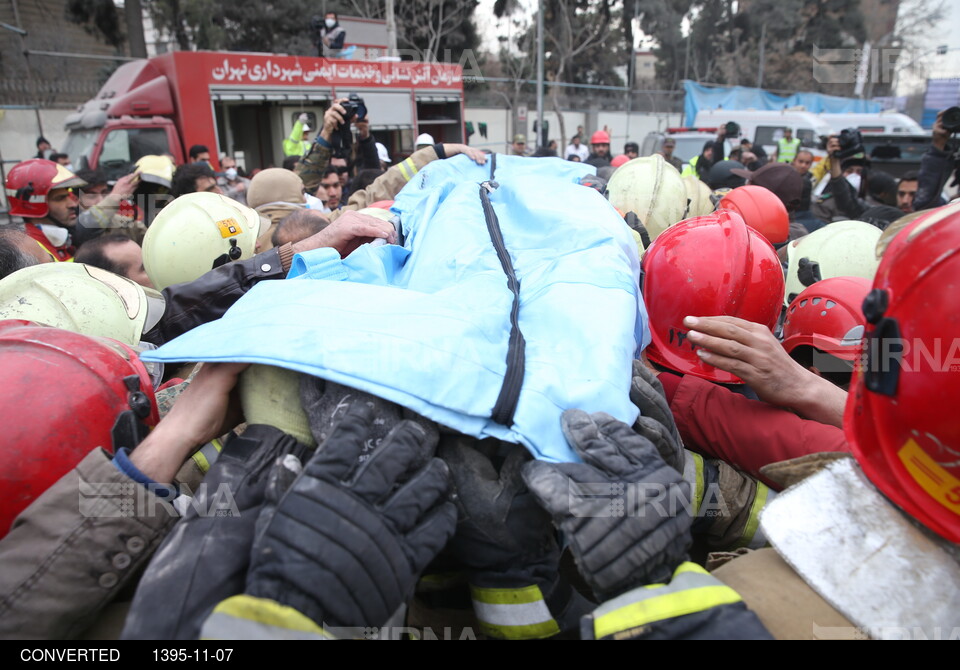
{"x":790,"y":470}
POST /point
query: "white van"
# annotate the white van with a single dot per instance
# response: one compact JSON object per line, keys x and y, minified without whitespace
{"x":882,"y":122}
{"x":765,"y":127}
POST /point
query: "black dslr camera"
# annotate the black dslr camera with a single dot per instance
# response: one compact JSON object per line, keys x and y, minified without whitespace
{"x":851,"y":143}
{"x":732,"y":129}
{"x":951,"y":119}
{"x":354,"y":109}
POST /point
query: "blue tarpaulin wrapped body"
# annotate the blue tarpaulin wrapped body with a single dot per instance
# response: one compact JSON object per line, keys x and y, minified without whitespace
{"x":492,"y":317}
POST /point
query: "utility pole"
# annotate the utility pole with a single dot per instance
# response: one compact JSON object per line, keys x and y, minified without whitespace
{"x":133,"y":12}
{"x":539,"y":72}
{"x":391,"y":29}
{"x":763,"y":44}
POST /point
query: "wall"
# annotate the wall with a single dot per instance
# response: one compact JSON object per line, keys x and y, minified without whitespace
{"x":19,"y":132}
{"x":623,"y":127}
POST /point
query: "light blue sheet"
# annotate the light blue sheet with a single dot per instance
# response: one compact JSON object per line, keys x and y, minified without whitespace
{"x":427,"y":325}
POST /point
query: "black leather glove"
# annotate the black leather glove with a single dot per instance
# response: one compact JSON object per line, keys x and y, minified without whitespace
{"x":507,"y":541}
{"x":622,"y":510}
{"x":205,"y":558}
{"x":347,"y":541}
{"x":655,"y":422}
{"x":501,"y":529}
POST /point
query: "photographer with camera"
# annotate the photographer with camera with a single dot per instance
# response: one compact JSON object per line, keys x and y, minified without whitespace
{"x":936,"y":164}
{"x":713,"y":151}
{"x":335,"y":140}
{"x":848,"y":163}
{"x":336,"y":131}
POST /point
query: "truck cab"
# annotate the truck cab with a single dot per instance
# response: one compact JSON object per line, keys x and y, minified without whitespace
{"x":245,"y":104}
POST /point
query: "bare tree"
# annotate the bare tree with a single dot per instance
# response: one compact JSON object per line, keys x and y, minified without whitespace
{"x":430,"y":24}
{"x":912,"y":34}
{"x":368,"y":9}
{"x":571,"y":28}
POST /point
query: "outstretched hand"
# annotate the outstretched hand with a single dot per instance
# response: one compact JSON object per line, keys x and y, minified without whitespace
{"x":348,"y":232}
{"x":476,"y":155}
{"x":203,"y":412}
{"x":752,"y":353}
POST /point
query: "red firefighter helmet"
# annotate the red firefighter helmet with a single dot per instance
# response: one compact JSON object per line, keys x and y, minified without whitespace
{"x":711,"y":265}
{"x":63,"y":394}
{"x":828,"y":316}
{"x":600,"y":137}
{"x":761,"y":209}
{"x":30,"y":182}
{"x":900,"y":417}
{"x":619,"y":160}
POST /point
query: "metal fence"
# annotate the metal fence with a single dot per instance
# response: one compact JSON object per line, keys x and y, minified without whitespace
{"x":48,"y":93}
{"x":493,"y":92}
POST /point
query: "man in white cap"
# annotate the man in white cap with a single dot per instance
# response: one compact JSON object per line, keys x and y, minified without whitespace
{"x":384,"y":156}
{"x":424,"y":140}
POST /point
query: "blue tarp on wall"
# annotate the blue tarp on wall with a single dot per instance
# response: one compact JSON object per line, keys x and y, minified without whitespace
{"x":740,"y":97}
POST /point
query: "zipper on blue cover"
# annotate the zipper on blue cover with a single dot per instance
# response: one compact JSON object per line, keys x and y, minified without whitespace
{"x":506,"y":404}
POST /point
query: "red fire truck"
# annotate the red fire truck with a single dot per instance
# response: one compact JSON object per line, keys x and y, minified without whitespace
{"x":245,"y":104}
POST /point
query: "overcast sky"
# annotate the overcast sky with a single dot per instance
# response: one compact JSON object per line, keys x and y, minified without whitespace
{"x":946,"y":33}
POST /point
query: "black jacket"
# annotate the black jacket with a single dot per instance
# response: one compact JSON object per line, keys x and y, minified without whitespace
{"x":208,"y":298}
{"x":848,"y":203}
{"x":934,"y":170}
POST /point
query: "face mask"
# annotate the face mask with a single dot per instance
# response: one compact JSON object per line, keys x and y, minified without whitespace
{"x":58,"y":236}
{"x":330,"y":23}
{"x":854,"y":180}
{"x":231,"y":174}
{"x":69,"y":166}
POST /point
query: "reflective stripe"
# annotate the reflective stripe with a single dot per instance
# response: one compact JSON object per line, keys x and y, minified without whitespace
{"x":752,"y":536}
{"x":207,"y":456}
{"x":513,"y":614}
{"x":693,"y":475}
{"x":407,"y":168}
{"x":50,"y":253}
{"x":692,"y":590}
{"x":247,"y":618}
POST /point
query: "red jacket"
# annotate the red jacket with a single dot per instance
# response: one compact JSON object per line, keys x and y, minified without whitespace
{"x":59,"y":254}
{"x":747,"y":434}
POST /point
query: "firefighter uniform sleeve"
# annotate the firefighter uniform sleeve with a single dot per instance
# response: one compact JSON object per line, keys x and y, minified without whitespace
{"x":63,"y":562}
{"x":245,"y":617}
{"x":204,"y":559}
{"x":387,"y":185}
{"x":693,"y":606}
{"x":746,"y":433}
{"x":726,"y":504}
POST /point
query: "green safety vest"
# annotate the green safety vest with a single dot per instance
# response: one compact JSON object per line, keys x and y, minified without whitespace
{"x":787,"y":150}
{"x":691,"y":169}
